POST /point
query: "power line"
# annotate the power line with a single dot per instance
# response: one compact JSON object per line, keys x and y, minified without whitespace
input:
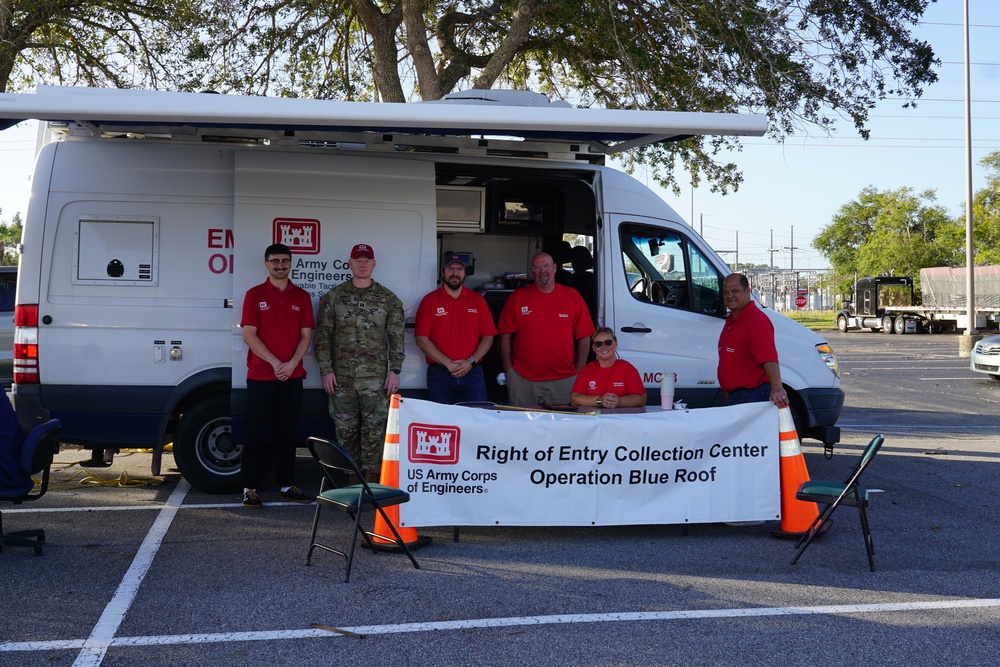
{"x":937,"y":99}
{"x":958,"y":25}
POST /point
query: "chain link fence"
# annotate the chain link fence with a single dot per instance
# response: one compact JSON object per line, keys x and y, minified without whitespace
{"x":780,"y":289}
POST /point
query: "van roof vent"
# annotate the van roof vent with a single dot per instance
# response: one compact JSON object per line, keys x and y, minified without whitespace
{"x":503,"y":98}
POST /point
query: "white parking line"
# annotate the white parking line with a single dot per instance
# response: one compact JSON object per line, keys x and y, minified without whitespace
{"x":103,"y":635}
{"x":445,"y":626}
{"x":143,"y":508}
{"x":913,"y":427}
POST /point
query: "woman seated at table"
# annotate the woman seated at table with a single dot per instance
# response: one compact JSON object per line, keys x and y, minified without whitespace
{"x":608,"y":382}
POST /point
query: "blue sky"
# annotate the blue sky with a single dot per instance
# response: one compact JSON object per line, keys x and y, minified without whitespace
{"x":795,"y":188}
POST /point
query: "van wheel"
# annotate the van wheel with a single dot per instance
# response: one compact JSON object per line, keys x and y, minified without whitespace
{"x":842,"y":324}
{"x":204,"y":448}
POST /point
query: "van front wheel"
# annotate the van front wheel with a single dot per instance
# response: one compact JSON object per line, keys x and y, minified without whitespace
{"x":204,"y":449}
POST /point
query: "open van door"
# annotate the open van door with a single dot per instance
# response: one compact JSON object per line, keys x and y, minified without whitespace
{"x":667,"y":300}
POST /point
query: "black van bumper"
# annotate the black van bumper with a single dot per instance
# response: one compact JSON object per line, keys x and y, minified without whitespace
{"x":821,"y":408}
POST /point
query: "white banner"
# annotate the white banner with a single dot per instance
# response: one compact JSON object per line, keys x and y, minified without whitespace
{"x":484,"y":467}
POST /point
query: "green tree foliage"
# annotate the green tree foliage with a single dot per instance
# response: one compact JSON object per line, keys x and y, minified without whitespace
{"x":986,"y":214}
{"x":801,"y":62}
{"x":892,"y":232}
{"x":10,"y":236}
{"x":114,"y":43}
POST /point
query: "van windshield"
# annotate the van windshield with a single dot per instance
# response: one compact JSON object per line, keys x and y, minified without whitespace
{"x":665,"y":268}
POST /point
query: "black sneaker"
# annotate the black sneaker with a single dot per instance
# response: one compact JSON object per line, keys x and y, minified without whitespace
{"x":251,"y":501}
{"x":295,"y":495}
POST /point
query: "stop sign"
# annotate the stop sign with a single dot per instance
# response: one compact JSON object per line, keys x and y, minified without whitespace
{"x":800,"y":301}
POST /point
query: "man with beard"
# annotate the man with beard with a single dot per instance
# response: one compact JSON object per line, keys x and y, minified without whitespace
{"x":455,"y":330}
{"x":545,"y":331}
{"x":359,"y":349}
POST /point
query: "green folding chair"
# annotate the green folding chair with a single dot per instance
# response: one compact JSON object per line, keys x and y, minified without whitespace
{"x":337,"y":464}
{"x":833,"y":495}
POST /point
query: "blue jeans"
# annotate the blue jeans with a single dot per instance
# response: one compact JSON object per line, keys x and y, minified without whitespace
{"x":443,"y":387}
{"x":761,"y":394}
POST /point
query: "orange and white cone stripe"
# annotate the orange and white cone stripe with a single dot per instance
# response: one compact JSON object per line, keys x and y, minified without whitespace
{"x":796,"y":515}
{"x":389,"y":476}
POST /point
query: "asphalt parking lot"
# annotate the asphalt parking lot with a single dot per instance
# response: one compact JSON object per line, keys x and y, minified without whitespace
{"x":142,"y":570}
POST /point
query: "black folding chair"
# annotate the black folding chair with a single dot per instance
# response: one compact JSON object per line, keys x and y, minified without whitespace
{"x":833,"y":495}
{"x":37,"y":451}
{"x":337,"y":464}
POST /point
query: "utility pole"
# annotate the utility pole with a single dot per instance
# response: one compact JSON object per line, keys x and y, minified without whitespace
{"x":771,"y":266}
{"x":791,"y":251}
{"x":971,"y":337}
{"x":791,"y":257}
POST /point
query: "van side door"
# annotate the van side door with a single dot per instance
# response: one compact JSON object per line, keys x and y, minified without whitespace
{"x":666,"y":293}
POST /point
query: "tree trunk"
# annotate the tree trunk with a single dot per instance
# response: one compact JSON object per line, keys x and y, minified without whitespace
{"x":510,"y":45}
{"x":382,"y":28}
{"x":416,"y":43}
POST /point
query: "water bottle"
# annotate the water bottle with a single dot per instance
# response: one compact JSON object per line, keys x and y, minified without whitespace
{"x":501,"y":379}
{"x":667,"y":392}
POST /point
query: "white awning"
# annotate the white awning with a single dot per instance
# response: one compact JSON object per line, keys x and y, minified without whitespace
{"x":99,"y":108}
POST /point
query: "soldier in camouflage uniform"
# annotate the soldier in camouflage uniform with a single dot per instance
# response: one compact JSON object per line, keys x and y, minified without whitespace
{"x":359,"y":347}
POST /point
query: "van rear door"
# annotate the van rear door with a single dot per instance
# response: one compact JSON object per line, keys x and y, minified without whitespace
{"x":320,"y":205}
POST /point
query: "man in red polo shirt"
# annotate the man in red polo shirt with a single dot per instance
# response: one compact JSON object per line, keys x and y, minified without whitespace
{"x":277,"y":326}
{"x":545,"y":333}
{"x":748,"y":361}
{"x":455,"y":330}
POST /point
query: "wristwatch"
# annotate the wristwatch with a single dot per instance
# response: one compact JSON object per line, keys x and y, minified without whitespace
{"x":599,"y":401}
{"x":394,"y":370}
{"x":472,"y":360}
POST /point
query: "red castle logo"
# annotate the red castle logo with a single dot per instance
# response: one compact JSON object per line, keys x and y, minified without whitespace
{"x":301,"y":235}
{"x":433,"y":443}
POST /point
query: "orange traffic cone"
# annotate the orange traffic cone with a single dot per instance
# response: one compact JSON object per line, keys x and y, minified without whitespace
{"x":390,"y":477}
{"x":796,"y":515}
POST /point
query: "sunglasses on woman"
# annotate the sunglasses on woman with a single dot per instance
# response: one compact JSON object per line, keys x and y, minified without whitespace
{"x":604,"y":343}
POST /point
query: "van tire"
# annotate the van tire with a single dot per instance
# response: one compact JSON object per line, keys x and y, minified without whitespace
{"x":204,"y":449}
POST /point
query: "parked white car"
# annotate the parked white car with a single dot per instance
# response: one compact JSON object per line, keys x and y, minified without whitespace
{"x":985,"y":357}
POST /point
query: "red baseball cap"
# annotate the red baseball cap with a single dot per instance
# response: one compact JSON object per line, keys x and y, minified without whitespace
{"x":362,"y":250}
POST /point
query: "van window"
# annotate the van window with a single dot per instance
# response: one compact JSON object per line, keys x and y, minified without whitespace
{"x":706,"y":285}
{"x":664,"y":268}
{"x":116,"y":250}
{"x":8,"y":288}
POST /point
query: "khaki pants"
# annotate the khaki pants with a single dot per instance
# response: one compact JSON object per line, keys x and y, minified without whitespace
{"x":528,"y":394}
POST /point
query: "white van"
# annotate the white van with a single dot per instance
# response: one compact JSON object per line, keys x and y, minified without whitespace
{"x":150,"y":213}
